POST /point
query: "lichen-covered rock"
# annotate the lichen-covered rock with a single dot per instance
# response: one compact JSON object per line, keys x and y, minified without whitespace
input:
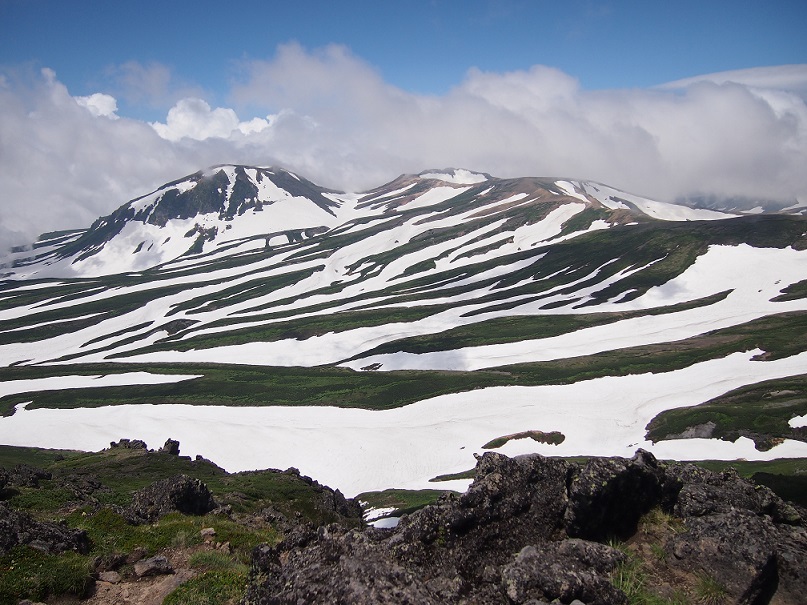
{"x":530,"y":529}
{"x":25,"y":475}
{"x":747,"y":540}
{"x":608,"y":495}
{"x":176,"y":494}
{"x":567,"y":570}
{"x":20,"y":528}
{"x":171,"y":447}
{"x":153,"y":566}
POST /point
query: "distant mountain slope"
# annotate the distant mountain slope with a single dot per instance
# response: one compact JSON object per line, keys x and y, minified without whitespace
{"x":447,"y":286}
{"x":228,"y":206}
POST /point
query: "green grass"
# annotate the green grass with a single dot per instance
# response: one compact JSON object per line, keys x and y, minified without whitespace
{"x":779,"y":335}
{"x":29,"y":573}
{"x":633,"y":578}
{"x":219,"y":587}
{"x":795,"y":291}
{"x":709,"y":591}
{"x":402,"y":500}
{"x":469,"y":474}
{"x":760,"y":411}
{"x":123,"y":471}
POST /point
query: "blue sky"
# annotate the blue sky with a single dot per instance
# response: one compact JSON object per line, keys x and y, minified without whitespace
{"x":421,"y":47}
{"x":103,"y":101}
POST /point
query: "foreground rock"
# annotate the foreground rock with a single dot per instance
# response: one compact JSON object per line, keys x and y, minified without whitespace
{"x":534,"y":530}
{"x":17,"y":527}
{"x":176,"y":494}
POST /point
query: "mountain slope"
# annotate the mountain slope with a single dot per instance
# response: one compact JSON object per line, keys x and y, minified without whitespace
{"x":540,"y":295}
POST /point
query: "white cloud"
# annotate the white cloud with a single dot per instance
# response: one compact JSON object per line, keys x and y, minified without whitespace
{"x":194,"y":119}
{"x":790,"y":78}
{"x":333,"y":118}
{"x":100,"y":104}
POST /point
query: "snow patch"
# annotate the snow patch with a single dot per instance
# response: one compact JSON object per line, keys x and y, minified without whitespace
{"x":361,"y":450}
{"x":798,"y":421}
{"x":458,"y":177}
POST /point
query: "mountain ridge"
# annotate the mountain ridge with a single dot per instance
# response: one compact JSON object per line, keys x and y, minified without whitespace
{"x":202,"y":207}
{"x":382,"y":340}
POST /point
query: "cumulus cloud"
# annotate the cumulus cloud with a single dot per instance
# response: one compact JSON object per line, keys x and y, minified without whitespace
{"x":100,"y":104}
{"x":194,"y":119}
{"x":331,"y":116}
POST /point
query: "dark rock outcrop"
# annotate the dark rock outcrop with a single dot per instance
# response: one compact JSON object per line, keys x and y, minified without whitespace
{"x":20,"y":528}
{"x":532,"y":530}
{"x":566,"y":570}
{"x":25,"y":475}
{"x":129,"y":444}
{"x":176,"y":494}
{"x":171,"y":447}
{"x":153,"y":566}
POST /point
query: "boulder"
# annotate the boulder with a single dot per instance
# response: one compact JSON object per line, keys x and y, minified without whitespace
{"x":25,"y":475}
{"x":20,"y":528}
{"x":175,"y":494}
{"x":531,"y":530}
{"x":171,"y":448}
{"x":566,"y":570}
{"x":607,"y":496}
{"x":153,"y":566}
{"x":129,"y":444}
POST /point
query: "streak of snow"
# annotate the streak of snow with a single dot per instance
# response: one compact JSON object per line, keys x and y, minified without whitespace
{"x":58,"y":383}
{"x":756,"y":276}
{"x":459,"y":177}
{"x":571,"y":190}
{"x":798,"y":421}
{"x":359,"y":450}
{"x":434,"y":196}
{"x":658,"y":210}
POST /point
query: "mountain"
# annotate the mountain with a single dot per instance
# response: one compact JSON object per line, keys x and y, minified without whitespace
{"x":378,"y":339}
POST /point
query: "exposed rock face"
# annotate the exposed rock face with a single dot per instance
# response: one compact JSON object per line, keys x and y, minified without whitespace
{"x":25,"y":475}
{"x":531,"y":530}
{"x":171,"y":447}
{"x":19,"y":528}
{"x":153,"y":566}
{"x":181,"y":494}
{"x":129,"y":444}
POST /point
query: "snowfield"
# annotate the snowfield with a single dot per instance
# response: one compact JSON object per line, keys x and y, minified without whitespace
{"x":280,"y":279}
{"x":358,"y":450}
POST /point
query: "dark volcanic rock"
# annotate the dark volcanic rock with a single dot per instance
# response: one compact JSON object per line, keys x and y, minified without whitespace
{"x":19,"y":528}
{"x":129,"y":444}
{"x":181,"y":494}
{"x":608,"y":495}
{"x":567,"y":570}
{"x":171,"y":447}
{"x":529,"y":530}
{"x":153,"y":566}
{"x":743,"y":536}
{"x":25,"y":475}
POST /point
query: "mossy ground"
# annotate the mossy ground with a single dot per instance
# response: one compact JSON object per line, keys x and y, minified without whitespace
{"x":29,"y":573}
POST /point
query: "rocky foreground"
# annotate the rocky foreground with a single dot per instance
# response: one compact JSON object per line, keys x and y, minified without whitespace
{"x":534,"y":530}
{"x":529,"y":530}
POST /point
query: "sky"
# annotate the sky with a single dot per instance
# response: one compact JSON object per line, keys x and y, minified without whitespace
{"x":102,"y":101}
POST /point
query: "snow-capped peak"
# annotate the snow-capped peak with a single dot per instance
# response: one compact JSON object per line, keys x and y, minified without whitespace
{"x":457,"y":176}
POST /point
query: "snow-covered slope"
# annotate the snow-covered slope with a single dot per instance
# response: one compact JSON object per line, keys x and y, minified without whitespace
{"x":528,"y":304}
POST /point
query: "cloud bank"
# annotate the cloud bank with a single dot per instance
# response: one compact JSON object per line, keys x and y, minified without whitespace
{"x":329,"y":115}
